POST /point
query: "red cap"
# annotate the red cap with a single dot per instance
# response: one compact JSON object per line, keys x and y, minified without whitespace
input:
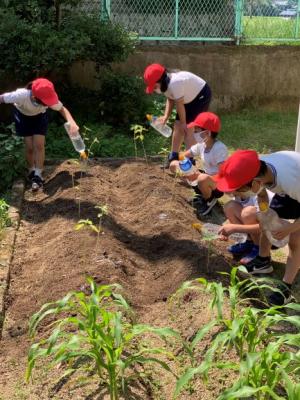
{"x":152,"y":74}
{"x":44,"y":90}
{"x":207,"y":120}
{"x":240,"y":168}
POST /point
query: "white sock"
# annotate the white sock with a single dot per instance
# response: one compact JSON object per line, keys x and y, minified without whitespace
{"x":38,"y":172}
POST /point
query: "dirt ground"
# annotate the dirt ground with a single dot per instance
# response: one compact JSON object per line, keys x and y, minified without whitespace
{"x":148,"y":246}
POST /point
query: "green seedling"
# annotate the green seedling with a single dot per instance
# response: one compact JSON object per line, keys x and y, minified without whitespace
{"x":103,"y":210}
{"x":138,"y":135}
{"x":93,"y":334}
{"x":86,"y":224}
{"x":164,"y":151}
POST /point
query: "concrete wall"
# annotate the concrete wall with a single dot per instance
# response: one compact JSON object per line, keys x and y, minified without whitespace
{"x":240,"y":76}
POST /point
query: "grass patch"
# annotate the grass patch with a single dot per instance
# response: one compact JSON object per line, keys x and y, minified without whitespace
{"x":259,"y":130}
{"x":270,"y":28}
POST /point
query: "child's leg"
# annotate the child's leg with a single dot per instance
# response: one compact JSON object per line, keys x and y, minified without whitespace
{"x":29,"y":153}
{"x":248,"y":216}
{"x":233,"y":211}
{"x":293,"y":261}
{"x":177,"y":137}
{"x":39,"y":152}
{"x":189,"y":139}
{"x":206,"y":185}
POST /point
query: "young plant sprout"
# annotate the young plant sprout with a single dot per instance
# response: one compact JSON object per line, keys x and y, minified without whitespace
{"x":103,"y":210}
{"x":138,"y":135}
{"x":86,"y":224}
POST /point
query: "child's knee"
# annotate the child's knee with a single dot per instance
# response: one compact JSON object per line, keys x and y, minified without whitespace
{"x":174,"y":166}
{"x":249,"y":214}
{"x":231,"y":207}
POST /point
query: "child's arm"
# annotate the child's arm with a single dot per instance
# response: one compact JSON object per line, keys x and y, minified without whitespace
{"x":68,"y":117}
{"x":229,"y":229}
{"x":168,"y":110}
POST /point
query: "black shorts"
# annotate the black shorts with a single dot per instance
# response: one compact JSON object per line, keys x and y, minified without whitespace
{"x":198,"y":105}
{"x":30,"y":125}
{"x":285,"y":206}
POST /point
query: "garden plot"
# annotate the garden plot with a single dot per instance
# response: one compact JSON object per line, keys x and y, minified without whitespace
{"x":146,"y":243}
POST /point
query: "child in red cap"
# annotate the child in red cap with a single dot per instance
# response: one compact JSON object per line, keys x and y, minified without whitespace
{"x":188,"y":92}
{"x":31,"y":121}
{"x":213,"y":153}
{"x":248,"y":174}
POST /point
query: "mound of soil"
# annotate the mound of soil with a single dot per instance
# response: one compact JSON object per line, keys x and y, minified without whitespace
{"x":147,"y":245}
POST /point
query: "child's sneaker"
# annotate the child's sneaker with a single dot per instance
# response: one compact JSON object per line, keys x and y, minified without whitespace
{"x":250,"y":256}
{"x":36,"y":183}
{"x":30,"y":176}
{"x":280,"y":298}
{"x":204,"y":207}
{"x":259,"y":265}
{"x":241,"y":248}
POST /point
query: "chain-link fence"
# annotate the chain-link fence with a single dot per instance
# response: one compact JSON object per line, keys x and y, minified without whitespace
{"x":271,"y":20}
{"x":204,"y":20}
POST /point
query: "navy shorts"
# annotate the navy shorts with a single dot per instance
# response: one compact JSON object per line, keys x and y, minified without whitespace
{"x":285,"y":206}
{"x":198,"y":105}
{"x":30,"y":125}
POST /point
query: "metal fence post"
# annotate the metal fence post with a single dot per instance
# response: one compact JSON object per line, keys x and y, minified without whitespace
{"x":105,"y":9}
{"x":297,"y":21}
{"x":176,"y":18}
{"x":239,"y":4}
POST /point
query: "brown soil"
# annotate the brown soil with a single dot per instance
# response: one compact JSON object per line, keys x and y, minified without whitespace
{"x":148,"y":246}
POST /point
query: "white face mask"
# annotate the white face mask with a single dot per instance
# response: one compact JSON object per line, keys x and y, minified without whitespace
{"x":198,"y":135}
{"x":157,"y":91}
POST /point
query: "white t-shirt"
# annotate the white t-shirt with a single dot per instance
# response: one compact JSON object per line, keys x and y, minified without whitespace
{"x":285,"y":166}
{"x":252,"y":201}
{"x":184,"y":84}
{"x":22,"y":101}
{"x":216,"y":155}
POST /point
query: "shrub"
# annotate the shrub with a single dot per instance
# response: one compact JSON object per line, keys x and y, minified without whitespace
{"x":4,"y":218}
{"x":123,"y":99}
{"x":11,"y":156}
{"x":40,"y":46}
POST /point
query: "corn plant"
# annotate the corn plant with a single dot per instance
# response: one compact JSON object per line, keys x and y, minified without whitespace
{"x":86,"y":224}
{"x":93,"y":333}
{"x":138,"y":135}
{"x":247,"y":331}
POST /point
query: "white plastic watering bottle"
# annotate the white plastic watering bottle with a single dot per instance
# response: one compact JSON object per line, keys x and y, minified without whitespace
{"x":187,"y":169}
{"x":270,"y":222}
{"x":76,"y":140}
{"x":212,"y":230}
{"x":163,"y":129}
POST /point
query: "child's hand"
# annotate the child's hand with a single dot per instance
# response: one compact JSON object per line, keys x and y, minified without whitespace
{"x":73,"y":128}
{"x":227,"y":230}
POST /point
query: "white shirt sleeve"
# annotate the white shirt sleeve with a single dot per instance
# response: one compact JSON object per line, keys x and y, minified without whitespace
{"x":18,"y":96}
{"x":177,"y":89}
{"x":195,"y":150}
{"x":57,"y":107}
{"x":222,"y":154}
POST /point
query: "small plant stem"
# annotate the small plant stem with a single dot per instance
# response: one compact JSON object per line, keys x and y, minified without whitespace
{"x":113,"y":384}
{"x":208,"y":256}
{"x":135,"y":148}
{"x":145,"y":153}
